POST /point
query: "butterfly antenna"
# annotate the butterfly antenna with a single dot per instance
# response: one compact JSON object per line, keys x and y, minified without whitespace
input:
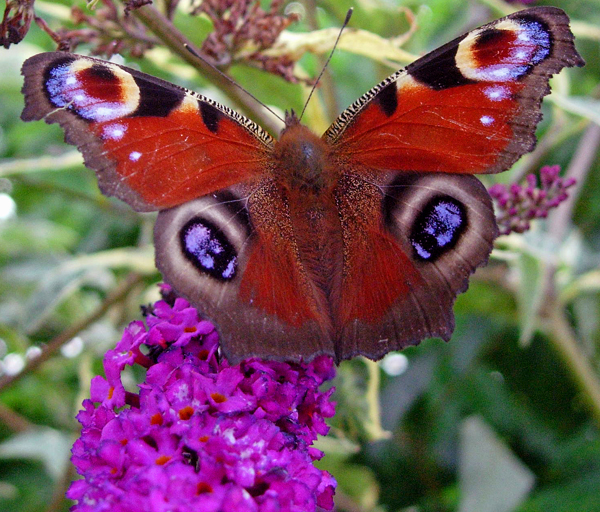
{"x":346,"y":21}
{"x":231,"y":81}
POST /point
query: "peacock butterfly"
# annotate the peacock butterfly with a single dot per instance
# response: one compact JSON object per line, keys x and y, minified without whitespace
{"x":356,"y":242}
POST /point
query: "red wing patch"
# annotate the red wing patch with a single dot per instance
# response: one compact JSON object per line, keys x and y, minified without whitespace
{"x":376,"y":270}
{"x":434,"y":131}
{"x":174,"y":159}
{"x":153,"y":144}
{"x":471,"y":106}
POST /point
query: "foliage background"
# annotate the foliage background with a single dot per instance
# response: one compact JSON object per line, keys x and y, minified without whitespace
{"x":503,"y":418}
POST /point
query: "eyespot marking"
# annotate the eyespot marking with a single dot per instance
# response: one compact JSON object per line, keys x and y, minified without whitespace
{"x":506,"y":51}
{"x":438,"y":228}
{"x":208,"y":249}
{"x":95,"y":92}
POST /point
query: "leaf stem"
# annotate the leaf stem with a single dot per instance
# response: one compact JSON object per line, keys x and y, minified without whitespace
{"x":176,"y":41}
{"x":58,"y":341}
{"x":565,"y":342}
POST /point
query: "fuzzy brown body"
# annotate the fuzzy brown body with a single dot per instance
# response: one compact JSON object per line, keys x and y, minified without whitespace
{"x":304,"y":168}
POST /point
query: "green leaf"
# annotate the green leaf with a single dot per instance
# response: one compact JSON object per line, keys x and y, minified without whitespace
{"x":491,"y":477}
{"x":51,"y":447}
{"x":530,"y":293}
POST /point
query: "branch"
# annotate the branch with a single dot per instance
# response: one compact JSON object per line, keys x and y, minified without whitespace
{"x":176,"y":41}
{"x":562,"y":334}
{"x":56,"y":343}
{"x":566,"y":344}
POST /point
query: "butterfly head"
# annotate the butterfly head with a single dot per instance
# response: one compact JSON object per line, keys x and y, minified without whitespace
{"x":301,"y":158}
{"x":291,"y":119}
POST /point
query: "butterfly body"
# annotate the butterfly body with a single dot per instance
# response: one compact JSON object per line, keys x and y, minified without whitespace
{"x":303,"y":160}
{"x":356,"y":242}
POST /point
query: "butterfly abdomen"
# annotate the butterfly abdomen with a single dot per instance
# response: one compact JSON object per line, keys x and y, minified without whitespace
{"x":303,"y":170}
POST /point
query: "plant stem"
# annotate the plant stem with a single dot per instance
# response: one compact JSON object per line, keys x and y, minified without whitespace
{"x":562,"y":334}
{"x":565,"y":342}
{"x":57,"y":342}
{"x":69,"y":160}
{"x":176,"y":41}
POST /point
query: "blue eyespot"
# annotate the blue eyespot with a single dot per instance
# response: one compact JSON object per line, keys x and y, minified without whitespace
{"x":438,"y":227}
{"x":208,"y":249}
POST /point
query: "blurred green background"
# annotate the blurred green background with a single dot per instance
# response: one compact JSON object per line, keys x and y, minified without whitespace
{"x":503,"y":418}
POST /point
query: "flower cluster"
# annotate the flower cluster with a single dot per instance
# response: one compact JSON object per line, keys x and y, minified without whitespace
{"x":200,"y":434}
{"x":242,"y":30}
{"x":109,"y":30}
{"x":517,"y":204}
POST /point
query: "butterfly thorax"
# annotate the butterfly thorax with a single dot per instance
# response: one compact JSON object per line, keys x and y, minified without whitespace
{"x":301,"y":160}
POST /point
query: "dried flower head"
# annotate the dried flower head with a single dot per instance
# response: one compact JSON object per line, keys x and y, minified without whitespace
{"x":200,"y":434}
{"x":16,"y":21}
{"x":109,"y":30}
{"x":243,"y":26}
{"x":517,"y":205}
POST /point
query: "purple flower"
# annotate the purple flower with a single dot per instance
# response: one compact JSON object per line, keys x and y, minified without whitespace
{"x":200,"y":434}
{"x":517,"y":204}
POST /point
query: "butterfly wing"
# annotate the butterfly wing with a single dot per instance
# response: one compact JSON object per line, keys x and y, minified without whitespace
{"x":413,"y":240}
{"x":154,"y":145}
{"x":415,"y":224}
{"x":234,"y":255}
{"x":223,"y":236}
{"x":471,"y":106}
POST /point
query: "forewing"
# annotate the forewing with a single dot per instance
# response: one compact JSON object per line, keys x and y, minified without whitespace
{"x":154,"y":145}
{"x":468,"y":107}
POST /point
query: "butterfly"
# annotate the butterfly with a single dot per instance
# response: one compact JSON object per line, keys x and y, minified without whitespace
{"x":356,"y":242}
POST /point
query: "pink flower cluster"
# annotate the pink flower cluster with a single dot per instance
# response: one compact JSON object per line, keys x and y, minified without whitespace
{"x":517,"y":204}
{"x":201,"y":434}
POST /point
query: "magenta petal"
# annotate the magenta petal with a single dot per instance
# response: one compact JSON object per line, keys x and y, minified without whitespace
{"x":201,"y":434}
